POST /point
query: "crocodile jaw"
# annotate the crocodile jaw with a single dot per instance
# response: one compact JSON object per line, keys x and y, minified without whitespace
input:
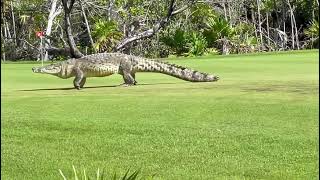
{"x":50,"y":69}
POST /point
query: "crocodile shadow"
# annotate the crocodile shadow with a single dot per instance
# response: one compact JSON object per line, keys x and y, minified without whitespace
{"x":93,"y":87}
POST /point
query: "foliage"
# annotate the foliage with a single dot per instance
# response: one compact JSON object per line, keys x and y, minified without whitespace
{"x":197,"y":44}
{"x":176,"y":40}
{"x":106,"y":35}
{"x":200,"y":14}
{"x":101,"y":175}
{"x":217,"y":28}
{"x":244,"y":40}
{"x":185,"y":43}
{"x":313,"y":32}
{"x":111,"y":23}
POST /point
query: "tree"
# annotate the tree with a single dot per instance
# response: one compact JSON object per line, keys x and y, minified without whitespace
{"x":156,"y":27}
{"x":54,"y":11}
{"x":67,"y":6}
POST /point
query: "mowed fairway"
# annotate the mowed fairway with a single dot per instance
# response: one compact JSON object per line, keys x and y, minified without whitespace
{"x":260,"y":121}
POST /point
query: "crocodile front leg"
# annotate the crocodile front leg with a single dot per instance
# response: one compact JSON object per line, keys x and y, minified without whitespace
{"x":79,"y":80}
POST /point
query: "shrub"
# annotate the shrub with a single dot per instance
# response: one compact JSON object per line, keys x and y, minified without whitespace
{"x":176,"y":40}
{"x":197,"y":44}
{"x":106,"y":35}
{"x":216,"y":29}
{"x":313,"y":33}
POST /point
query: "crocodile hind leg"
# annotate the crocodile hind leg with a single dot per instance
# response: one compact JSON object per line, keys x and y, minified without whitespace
{"x":128,"y":79}
{"x":78,"y":78}
{"x":82,"y":82}
{"x":133,"y":75}
{"x":125,"y":70}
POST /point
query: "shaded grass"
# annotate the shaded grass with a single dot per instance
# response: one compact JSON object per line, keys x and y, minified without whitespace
{"x":260,"y":121}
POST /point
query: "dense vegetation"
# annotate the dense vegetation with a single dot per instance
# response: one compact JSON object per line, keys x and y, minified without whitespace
{"x":156,"y":28}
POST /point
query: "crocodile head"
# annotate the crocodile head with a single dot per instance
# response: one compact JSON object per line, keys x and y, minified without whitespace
{"x":53,"y":69}
{"x":63,"y":69}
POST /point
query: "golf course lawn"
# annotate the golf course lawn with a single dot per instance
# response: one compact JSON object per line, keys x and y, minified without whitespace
{"x":259,"y":121}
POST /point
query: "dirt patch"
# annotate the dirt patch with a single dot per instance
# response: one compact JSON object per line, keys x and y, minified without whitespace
{"x":291,"y":88}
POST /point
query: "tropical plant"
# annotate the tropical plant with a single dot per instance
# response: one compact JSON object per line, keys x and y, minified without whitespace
{"x":197,"y":44}
{"x":176,"y":40}
{"x":244,"y":40}
{"x":313,"y":33}
{"x":106,"y":35}
{"x":217,"y":28}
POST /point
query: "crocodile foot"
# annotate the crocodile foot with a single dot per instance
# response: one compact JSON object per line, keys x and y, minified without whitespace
{"x":126,"y":85}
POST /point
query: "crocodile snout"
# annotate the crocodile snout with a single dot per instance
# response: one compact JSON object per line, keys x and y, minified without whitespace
{"x":35,"y":70}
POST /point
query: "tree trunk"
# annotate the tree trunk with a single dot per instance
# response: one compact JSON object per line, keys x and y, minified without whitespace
{"x":268,"y":30}
{"x":292,"y":29}
{"x":4,"y":37}
{"x":87,"y":26}
{"x":254,"y":23}
{"x":259,"y":25}
{"x":13,"y":24}
{"x":225,"y":11}
{"x":55,"y":10}
{"x":296,"y":32}
{"x":74,"y":51}
{"x":284,"y":23}
{"x":8,"y":30}
{"x":295,"y":28}
{"x":111,"y":2}
{"x":225,"y":46}
{"x":230,"y":17}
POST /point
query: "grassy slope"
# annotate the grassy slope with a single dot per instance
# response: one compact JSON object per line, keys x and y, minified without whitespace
{"x":260,"y":121}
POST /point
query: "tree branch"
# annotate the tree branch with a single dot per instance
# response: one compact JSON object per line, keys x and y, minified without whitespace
{"x":161,"y":24}
{"x":87,"y":25}
{"x":58,"y":51}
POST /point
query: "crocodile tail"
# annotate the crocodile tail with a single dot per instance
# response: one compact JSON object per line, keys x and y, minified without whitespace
{"x":145,"y":65}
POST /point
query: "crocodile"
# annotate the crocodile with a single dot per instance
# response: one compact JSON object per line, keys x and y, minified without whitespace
{"x":105,"y":64}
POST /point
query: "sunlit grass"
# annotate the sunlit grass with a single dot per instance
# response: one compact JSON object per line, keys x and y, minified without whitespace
{"x":260,"y":121}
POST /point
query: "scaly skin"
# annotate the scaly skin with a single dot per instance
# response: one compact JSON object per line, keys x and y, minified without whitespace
{"x":105,"y":64}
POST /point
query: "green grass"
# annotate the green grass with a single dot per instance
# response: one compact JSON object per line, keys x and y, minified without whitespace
{"x":260,"y":121}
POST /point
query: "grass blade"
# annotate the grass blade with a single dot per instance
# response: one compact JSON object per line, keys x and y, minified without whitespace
{"x":64,"y":178}
{"x":98,"y":174}
{"x":75,"y":173}
{"x":114,"y":176}
{"x":84,"y":174}
{"x":125,"y":176}
{"x":134,"y":175}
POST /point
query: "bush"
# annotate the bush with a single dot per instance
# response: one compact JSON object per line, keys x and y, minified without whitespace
{"x":312,"y":32}
{"x":197,"y":44}
{"x":216,"y":29}
{"x":185,"y":43}
{"x":106,"y":35}
{"x":176,"y":40}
